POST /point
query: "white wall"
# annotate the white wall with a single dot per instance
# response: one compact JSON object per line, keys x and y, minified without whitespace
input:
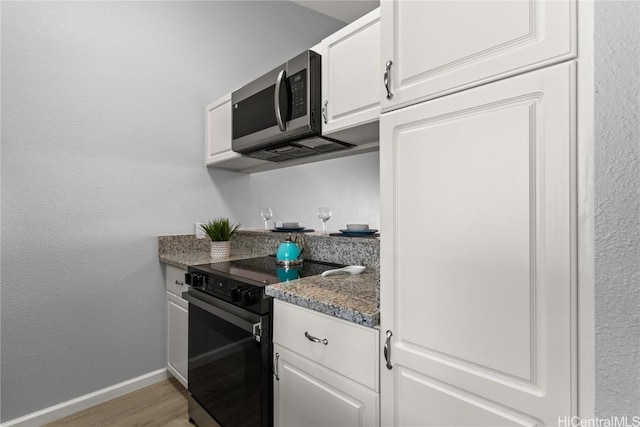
{"x":617,"y":220}
{"x":103,"y":150}
{"x":348,"y":185}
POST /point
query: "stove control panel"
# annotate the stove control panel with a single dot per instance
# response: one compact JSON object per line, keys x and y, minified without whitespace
{"x":229,"y":290}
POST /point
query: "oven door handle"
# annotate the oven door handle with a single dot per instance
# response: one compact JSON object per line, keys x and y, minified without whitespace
{"x":224,"y":315}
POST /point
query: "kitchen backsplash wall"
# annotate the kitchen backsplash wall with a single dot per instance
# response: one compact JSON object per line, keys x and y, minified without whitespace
{"x":340,"y":250}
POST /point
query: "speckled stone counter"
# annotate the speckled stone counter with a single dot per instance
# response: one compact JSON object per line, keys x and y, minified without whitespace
{"x":184,"y":250}
{"x":184,"y":260}
{"x":345,"y":296}
{"x":355,"y":298}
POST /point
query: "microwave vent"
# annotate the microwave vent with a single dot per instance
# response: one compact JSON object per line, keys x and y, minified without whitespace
{"x":303,"y":148}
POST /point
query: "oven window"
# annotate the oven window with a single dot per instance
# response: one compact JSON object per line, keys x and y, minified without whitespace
{"x":224,"y":369}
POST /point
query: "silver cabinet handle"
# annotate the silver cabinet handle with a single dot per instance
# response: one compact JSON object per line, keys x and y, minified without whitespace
{"x":179,"y":283}
{"x":276,"y":100}
{"x":275,"y":367}
{"x":324,"y":111}
{"x":387,"y":350}
{"x":387,"y":79}
{"x":314,"y":339}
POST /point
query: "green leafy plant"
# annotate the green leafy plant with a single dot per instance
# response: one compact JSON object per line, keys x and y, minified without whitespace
{"x":220,"y":229}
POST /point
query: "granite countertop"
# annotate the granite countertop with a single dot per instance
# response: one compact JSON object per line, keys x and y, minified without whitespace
{"x":350,"y":297}
{"x":345,"y":296}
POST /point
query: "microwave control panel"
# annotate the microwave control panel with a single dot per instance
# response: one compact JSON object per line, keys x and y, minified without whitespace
{"x":298,"y":87}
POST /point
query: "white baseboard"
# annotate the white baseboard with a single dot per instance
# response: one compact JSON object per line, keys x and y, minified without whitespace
{"x":81,"y":403}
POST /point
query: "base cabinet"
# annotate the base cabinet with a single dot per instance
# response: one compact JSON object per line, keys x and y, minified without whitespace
{"x":177,"y":325}
{"x":177,"y":337}
{"x":325,"y":370}
{"x":308,"y":394}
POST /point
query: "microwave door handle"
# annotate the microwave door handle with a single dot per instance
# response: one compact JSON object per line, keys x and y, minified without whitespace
{"x":276,"y":100}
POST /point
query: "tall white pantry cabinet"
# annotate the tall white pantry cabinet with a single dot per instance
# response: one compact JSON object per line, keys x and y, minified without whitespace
{"x":478,"y":190}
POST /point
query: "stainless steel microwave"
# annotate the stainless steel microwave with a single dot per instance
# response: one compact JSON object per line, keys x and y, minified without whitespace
{"x":277,"y":117}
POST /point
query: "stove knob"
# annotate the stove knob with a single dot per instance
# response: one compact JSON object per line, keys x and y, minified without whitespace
{"x":248,"y":297}
{"x":198,"y":280}
{"x":235,"y":294}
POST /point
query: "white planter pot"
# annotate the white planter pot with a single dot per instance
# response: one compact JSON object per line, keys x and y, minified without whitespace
{"x":220,"y":250}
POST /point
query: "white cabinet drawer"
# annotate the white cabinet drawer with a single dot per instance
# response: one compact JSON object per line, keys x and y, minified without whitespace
{"x":351,"y":350}
{"x":175,"y":280}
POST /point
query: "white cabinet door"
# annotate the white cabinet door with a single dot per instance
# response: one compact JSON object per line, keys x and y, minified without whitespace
{"x":219,"y":135}
{"x":177,"y":337}
{"x":351,"y":80}
{"x":219,"y":130}
{"x":478,"y":283}
{"x":440,"y":47}
{"x":310,"y":395}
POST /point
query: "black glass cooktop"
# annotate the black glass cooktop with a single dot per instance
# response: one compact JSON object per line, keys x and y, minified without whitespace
{"x":263,"y":271}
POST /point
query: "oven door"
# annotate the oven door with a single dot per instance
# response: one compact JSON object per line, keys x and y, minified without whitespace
{"x":229,"y":362}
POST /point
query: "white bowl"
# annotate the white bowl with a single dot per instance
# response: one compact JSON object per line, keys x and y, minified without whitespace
{"x":291,"y":225}
{"x":357,"y":227}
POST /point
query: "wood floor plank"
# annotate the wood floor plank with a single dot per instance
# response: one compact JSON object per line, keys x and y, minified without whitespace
{"x":160,"y":404}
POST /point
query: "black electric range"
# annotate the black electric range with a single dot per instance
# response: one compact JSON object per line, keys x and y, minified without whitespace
{"x":241,"y":282}
{"x":230,"y":339}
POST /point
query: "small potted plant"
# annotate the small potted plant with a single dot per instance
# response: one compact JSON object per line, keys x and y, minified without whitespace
{"x":220,"y":231}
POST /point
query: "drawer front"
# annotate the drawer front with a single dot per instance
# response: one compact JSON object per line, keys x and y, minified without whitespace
{"x":175,"y":280}
{"x":350,"y":349}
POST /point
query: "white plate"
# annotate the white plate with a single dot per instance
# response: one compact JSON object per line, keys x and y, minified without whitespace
{"x":290,"y":229}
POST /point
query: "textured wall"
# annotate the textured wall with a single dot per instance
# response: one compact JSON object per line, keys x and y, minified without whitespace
{"x":102,"y":151}
{"x":617,"y":194}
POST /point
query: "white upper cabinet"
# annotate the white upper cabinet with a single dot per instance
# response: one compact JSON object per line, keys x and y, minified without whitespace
{"x":433,"y":48}
{"x":351,"y":80}
{"x":219,"y":129}
{"x":218,"y":144}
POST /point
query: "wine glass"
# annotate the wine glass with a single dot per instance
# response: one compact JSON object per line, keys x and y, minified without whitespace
{"x":266,"y":214}
{"x":324,"y":214}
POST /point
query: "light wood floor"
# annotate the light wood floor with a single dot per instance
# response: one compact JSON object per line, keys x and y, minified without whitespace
{"x":160,"y":404}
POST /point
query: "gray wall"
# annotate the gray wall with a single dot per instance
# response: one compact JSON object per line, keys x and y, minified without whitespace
{"x":103,"y":150}
{"x":617,"y":195}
